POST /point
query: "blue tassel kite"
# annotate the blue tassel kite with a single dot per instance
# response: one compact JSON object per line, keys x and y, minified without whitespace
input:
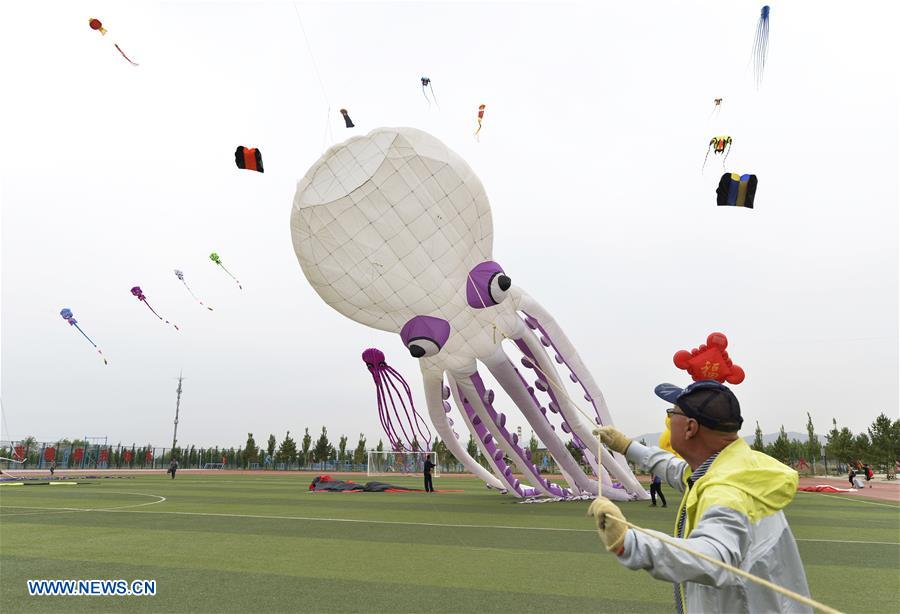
{"x":761,"y":45}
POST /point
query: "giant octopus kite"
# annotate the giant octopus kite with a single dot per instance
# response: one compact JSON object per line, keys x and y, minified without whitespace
{"x":393,"y":230}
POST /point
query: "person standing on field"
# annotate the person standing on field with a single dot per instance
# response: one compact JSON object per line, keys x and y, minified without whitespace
{"x":429,"y":467}
{"x":656,"y":489}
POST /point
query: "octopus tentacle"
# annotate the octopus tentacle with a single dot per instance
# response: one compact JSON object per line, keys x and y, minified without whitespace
{"x":534,"y":351}
{"x":517,"y":388}
{"x":418,"y":422}
{"x":409,"y":440}
{"x":473,"y":391}
{"x":553,"y":336}
{"x":484,"y":439}
{"x":433,"y":384}
{"x":380,"y":399}
{"x":390,"y":397}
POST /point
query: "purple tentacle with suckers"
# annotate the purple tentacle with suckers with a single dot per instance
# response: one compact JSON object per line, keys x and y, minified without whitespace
{"x":386,"y":378}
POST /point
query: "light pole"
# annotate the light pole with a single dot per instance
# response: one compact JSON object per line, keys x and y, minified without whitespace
{"x":177,"y":407}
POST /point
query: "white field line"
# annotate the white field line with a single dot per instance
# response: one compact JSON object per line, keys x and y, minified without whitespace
{"x":159,"y":499}
{"x":822,"y":494}
{"x":841,"y":541}
{"x":401,"y":523}
{"x":55,"y":511}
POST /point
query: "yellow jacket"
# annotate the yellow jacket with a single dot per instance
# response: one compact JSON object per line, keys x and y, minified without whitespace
{"x":733,"y":514}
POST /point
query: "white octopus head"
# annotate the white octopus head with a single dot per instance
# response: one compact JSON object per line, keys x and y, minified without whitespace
{"x":390,"y":228}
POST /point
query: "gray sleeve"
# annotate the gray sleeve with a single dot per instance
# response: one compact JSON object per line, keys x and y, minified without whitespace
{"x":658,"y":462}
{"x":722,"y":534}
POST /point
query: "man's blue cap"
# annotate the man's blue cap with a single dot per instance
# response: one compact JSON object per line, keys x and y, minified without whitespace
{"x":709,"y":402}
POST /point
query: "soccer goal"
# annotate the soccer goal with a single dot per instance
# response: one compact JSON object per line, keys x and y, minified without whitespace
{"x":400,"y":463}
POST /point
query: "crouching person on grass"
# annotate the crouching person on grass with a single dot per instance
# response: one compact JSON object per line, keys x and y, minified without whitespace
{"x":730,"y":509}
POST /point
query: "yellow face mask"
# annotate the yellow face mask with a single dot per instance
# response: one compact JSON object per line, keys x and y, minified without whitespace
{"x":665,"y":438}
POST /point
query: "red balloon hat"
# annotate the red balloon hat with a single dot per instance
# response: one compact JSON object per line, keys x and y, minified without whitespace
{"x":710,"y":361}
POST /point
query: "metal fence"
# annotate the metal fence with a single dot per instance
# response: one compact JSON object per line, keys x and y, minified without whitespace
{"x":87,"y":455}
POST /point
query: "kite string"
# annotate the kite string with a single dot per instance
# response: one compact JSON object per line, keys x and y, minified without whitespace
{"x":312,"y":59}
{"x":9,"y":437}
{"x":755,"y":579}
{"x":762,"y":582}
{"x":533,"y":363}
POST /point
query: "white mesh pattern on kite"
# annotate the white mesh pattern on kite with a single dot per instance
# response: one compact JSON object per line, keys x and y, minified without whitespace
{"x":387,"y":226}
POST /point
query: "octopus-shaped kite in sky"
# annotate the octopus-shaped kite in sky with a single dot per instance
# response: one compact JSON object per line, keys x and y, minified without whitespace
{"x":393,"y":230}
{"x":391,"y":400}
{"x":139,"y":295}
{"x":69,"y":317}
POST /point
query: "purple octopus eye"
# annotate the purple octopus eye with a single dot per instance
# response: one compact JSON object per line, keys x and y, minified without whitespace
{"x":486,"y":285}
{"x":424,"y":336}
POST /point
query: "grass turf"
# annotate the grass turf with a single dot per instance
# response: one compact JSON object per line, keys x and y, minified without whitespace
{"x":261,"y":542}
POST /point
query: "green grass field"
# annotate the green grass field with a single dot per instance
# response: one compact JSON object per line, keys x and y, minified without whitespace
{"x":261,"y":542}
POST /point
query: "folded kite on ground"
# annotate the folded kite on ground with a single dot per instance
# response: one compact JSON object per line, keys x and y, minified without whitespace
{"x":325,"y":483}
{"x":824,"y":488}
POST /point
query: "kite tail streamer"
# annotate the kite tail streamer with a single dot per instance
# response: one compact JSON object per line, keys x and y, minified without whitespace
{"x":160,"y":317}
{"x":85,"y":336}
{"x":727,"y":151}
{"x":705,"y":158}
{"x":195,"y":296}
{"x":431,"y":88}
{"x":99,"y":351}
{"x":125,"y":56}
{"x":232,"y":276}
{"x":761,"y":45}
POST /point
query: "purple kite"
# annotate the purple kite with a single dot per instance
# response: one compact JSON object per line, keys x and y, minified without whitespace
{"x":386,"y":379}
{"x":67,"y":315}
{"x":137,"y":292}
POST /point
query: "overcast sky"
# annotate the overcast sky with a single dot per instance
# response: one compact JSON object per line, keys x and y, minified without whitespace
{"x":598,"y":118}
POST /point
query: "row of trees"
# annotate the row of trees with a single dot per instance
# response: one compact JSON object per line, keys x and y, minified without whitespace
{"x":323,"y":450}
{"x":879,"y":446}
